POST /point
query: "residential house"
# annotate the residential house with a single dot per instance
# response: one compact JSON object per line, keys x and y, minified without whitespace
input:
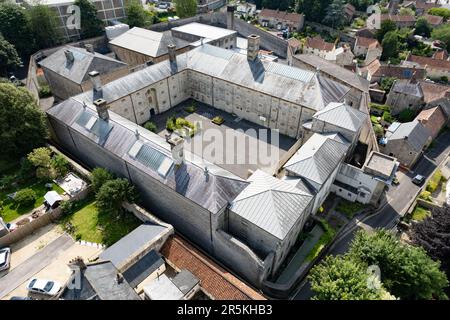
{"x":343,"y":56}
{"x":433,"y":119}
{"x":363,"y":45}
{"x":406,"y":142}
{"x":365,"y":33}
{"x":68,"y":70}
{"x":246,"y":9}
{"x":281,"y":19}
{"x":435,"y":68}
{"x":405,"y":94}
{"x":368,"y":70}
{"x":401,"y":21}
{"x":434,"y":21}
{"x":422,"y":6}
{"x":319,"y":47}
{"x":398,"y":72}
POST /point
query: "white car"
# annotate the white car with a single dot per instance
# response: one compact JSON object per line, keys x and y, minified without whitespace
{"x":47,"y":287}
{"x":5,"y":256}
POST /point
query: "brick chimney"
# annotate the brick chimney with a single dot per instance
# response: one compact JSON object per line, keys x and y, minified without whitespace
{"x":102,"y":109}
{"x":172,"y":52}
{"x":96,"y":84}
{"x":230,"y":16}
{"x":253,"y":47}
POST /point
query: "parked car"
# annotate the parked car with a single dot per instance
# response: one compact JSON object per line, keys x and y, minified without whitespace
{"x":395,"y":181}
{"x":20,"y":298}
{"x":5,"y":257}
{"x":41,"y":286}
{"x":418,"y":180}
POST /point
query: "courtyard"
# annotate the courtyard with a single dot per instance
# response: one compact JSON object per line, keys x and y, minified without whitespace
{"x":236,"y":145}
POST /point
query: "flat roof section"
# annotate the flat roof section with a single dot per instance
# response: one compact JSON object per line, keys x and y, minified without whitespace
{"x":380,"y":164}
{"x":204,"y":30}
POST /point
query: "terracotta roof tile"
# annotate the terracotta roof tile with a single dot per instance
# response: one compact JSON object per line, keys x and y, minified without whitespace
{"x":440,"y":54}
{"x":318,"y":43}
{"x":367,"y":42}
{"x":398,"y":18}
{"x":214,"y":279}
{"x":433,"y":119}
{"x":434,"y":20}
{"x":281,"y":15}
{"x":432,"y":91}
{"x":433,"y":63}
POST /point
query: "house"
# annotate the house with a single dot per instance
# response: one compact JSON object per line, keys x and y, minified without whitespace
{"x":434,"y":21}
{"x":422,"y":6}
{"x":246,"y":9}
{"x":138,"y":46}
{"x":343,"y":56}
{"x":363,"y":45}
{"x":435,"y":68}
{"x":281,"y":19}
{"x":365,"y":33}
{"x":319,"y":47}
{"x":67,"y":70}
{"x":406,"y":142}
{"x":401,"y":21}
{"x":368,"y":70}
{"x":399,"y":72}
{"x":405,"y":94}
{"x":433,"y":119}
{"x":349,"y":11}
{"x":433,"y":91}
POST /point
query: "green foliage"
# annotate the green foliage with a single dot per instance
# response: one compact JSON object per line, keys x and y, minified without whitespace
{"x":425,"y":195}
{"x":137,"y":16}
{"x":325,"y":239}
{"x":349,"y":208}
{"x":191,"y":109}
{"x":406,"y":12}
{"x":385,"y":27}
{"x":339,"y":278}
{"x":60,"y":165}
{"x":362,"y":5}
{"x":9,"y":57}
{"x":112,"y":194}
{"x":91,"y":25}
{"x":390,"y":45}
{"x":420,"y":213}
{"x":150,"y":126}
{"x":185,"y":8}
{"x":388,"y":117}
{"x":45,"y":91}
{"x":335,"y":16}
{"x":442,"y":33}
{"x":378,"y":129}
{"x":170,"y":124}
{"x":435,"y":181}
{"x":44,"y":23}
{"x":406,"y":271}
{"x":315,"y":10}
{"x":423,"y":27}
{"x":40,"y":157}
{"x":444,"y":79}
{"x":98,"y":178}
{"x":406,"y":115}
{"x":218,"y":120}
{"x":25,"y":197}
{"x":173,"y":124}
{"x":22,"y":123}
{"x":386,"y":83}
{"x":443,"y":12}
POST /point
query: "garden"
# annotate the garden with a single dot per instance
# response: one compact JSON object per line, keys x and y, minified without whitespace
{"x":349,"y":209}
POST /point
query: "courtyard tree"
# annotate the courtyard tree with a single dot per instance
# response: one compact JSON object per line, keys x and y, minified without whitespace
{"x":22,"y":123}
{"x":136,"y":14}
{"x":335,"y":14}
{"x":423,"y":27}
{"x":442,"y":33}
{"x":443,"y":12}
{"x":9,"y":58}
{"x":60,"y":165}
{"x":315,"y":9}
{"x":91,"y":25}
{"x":44,"y":23}
{"x":112,"y":194}
{"x":385,"y":27}
{"x":390,"y":46}
{"x":25,"y":197}
{"x":406,"y":271}
{"x":406,"y":12}
{"x":98,"y":178}
{"x":185,"y":8}
{"x":42,"y":161}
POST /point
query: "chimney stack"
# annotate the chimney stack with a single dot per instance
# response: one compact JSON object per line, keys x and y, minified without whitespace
{"x":171,"y":50}
{"x":253,"y":47}
{"x":69,"y":56}
{"x":230,"y":16}
{"x":102,"y":109}
{"x":89,"y":47}
{"x":176,"y":146}
{"x":96,"y":83}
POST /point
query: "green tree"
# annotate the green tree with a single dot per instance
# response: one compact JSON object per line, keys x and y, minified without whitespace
{"x":136,"y":15}
{"x":335,"y":16}
{"x":44,"y":23}
{"x":314,"y":10}
{"x":15,"y":27}
{"x":406,"y":271}
{"x":406,"y":12}
{"x":9,"y":58}
{"x":42,"y":161}
{"x":390,"y":45}
{"x":112,"y":194}
{"x":25,"y":198}
{"x":339,"y":278}
{"x":387,"y":83}
{"x":185,"y":8}
{"x":98,"y":178}
{"x":406,"y":115}
{"x":362,"y":5}
{"x":423,"y":27}
{"x":22,"y":123}
{"x":91,"y":25}
{"x":385,"y":27}
{"x":443,"y":12}
{"x":60,"y":165}
{"x":442,"y":33}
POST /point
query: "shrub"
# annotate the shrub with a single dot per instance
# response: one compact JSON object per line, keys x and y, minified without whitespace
{"x":444,"y":79}
{"x":112,"y":193}
{"x":6,"y":181}
{"x":218,"y":120}
{"x":388,"y":117}
{"x":98,"y":178}
{"x":425,"y":195}
{"x":378,"y":129}
{"x":150,"y":126}
{"x":44,"y":91}
{"x":191,"y":108}
{"x":66,"y":207}
{"x":434,"y":182}
{"x":406,"y":115}
{"x":170,"y":124}
{"x":60,"y":165}
{"x":25,"y":197}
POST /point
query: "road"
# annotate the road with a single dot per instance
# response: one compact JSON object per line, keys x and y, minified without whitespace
{"x":33,"y":265}
{"x":398,"y":197}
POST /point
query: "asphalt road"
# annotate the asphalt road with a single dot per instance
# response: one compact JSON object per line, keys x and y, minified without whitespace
{"x":399,"y":197}
{"x":33,"y":265}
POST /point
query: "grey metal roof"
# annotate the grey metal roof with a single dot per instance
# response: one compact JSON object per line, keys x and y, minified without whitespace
{"x":292,"y":84}
{"x":162,"y":288}
{"x":185,"y":281}
{"x":335,"y":71}
{"x":341,"y":115}
{"x":132,"y":244}
{"x":407,"y":87}
{"x":270,"y":203}
{"x":143,"y":268}
{"x":204,"y":30}
{"x":103,"y":279}
{"x":84,"y":62}
{"x":317,"y":159}
{"x":212,"y":191}
{"x":148,"y":42}
{"x":416,"y":134}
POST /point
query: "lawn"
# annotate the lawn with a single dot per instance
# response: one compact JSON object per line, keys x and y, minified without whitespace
{"x":92,"y":226}
{"x":420,"y":213}
{"x":349,"y":208}
{"x":10,"y":211}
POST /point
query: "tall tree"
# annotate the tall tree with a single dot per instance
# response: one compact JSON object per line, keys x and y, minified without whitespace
{"x":136,"y":15}
{"x":9,"y":58}
{"x":386,"y":26}
{"x":91,"y":25}
{"x":314,"y":10}
{"x":112,"y":193}
{"x":406,"y":12}
{"x":44,"y":23}
{"x":15,"y":27}
{"x":185,"y":8}
{"x":443,"y":12}
{"x":22,"y":123}
{"x":423,"y":27}
{"x":335,"y":16}
{"x":390,"y":45}
{"x":406,"y":271}
{"x":442,"y":33}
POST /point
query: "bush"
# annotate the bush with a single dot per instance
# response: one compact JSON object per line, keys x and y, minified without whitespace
{"x":25,"y":197}
{"x":191,"y":108}
{"x":386,"y":83}
{"x":434,"y":182}
{"x":378,"y":129}
{"x":60,"y":165}
{"x":99,"y":177}
{"x":218,"y":120}
{"x":6,"y":181}
{"x":44,"y":91}
{"x":406,"y":115}
{"x":170,"y":124}
{"x":388,"y":117}
{"x":425,"y":195}
{"x":150,"y":126}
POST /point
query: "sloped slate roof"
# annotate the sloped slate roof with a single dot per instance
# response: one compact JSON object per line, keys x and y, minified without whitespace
{"x":316,"y":159}
{"x":212,"y":191}
{"x":147,"y":42}
{"x":84,"y":62}
{"x":417,"y":135}
{"x":270,"y":203}
{"x":341,"y":115}
{"x":407,"y":87}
